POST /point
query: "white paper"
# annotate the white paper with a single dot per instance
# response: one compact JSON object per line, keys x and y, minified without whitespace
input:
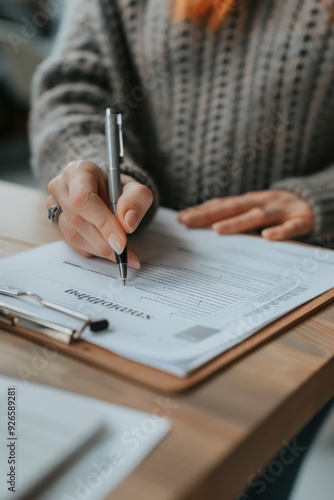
{"x":25,"y":455}
{"x":196,"y":295}
{"x":51,"y":423}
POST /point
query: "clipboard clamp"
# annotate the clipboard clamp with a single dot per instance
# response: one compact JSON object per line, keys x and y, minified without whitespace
{"x":16,"y":317}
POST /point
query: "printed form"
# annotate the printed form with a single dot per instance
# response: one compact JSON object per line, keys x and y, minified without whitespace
{"x":196,"y":295}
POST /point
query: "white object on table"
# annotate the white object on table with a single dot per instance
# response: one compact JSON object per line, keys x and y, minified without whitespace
{"x":97,"y":443}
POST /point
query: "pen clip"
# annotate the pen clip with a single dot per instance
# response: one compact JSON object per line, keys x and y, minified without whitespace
{"x":120,"y":135}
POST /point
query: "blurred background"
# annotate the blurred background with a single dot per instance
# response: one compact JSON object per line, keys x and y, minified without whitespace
{"x":27,"y":33}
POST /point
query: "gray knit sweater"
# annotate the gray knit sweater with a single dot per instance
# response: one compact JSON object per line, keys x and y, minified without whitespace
{"x":249,"y":107}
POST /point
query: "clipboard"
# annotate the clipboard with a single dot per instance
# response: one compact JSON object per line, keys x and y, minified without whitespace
{"x":35,"y":230}
{"x":69,"y":343}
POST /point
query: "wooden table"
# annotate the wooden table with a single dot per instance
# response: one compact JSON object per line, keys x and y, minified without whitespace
{"x":224,"y":429}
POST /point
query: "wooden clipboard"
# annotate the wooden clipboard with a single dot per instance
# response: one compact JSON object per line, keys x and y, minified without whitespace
{"x":34,"y":230}
{"x":165,"y":382}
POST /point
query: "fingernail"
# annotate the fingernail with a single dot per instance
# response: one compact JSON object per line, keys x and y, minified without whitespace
{"x":133,"y":263}
{"x":116,"y":244}
{"x":131,"y":220}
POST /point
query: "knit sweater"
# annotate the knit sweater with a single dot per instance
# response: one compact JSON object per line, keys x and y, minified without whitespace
{"x":206,"y":114}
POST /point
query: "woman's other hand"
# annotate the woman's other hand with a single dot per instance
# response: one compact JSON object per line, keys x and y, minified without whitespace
{"x":86,"y":222}
{"x":283,"y":214}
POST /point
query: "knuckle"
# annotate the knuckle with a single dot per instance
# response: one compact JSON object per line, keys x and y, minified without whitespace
{"x":270,"y":195}
{"x":259,"y":212}
{"x":79,"y":199}
{"x":232,"y":203}
{"x":53,"y":184}
{"x":82,"y":165}
{"x":90,"y":167}
{"x":103,"y":226}
{"x":73,"y":165}
{"x":50,"y":185}
{"x":144,"y":193}
{"x":73,"y":237}
{"x":215,"y":202}
{"x":74,"y":220}
{"x":48,"y":202}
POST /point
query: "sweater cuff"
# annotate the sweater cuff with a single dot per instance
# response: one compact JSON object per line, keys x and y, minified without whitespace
{"x":317,"y":190}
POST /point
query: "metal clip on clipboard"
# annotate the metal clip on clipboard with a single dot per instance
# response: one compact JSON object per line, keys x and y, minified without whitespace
{"x":16,"y":317}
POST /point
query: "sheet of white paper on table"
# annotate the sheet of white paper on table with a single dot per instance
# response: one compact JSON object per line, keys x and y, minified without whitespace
{"x":196,"y":295}
{"x":51,"y":424}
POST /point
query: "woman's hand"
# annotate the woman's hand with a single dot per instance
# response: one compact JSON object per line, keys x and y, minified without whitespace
{"x":86,"y":222}
{"x":282,"y":213}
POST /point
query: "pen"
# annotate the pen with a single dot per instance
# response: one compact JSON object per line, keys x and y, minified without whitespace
{"x":115,"y":153}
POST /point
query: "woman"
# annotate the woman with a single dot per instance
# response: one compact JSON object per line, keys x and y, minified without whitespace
{"x":228,"y":117}
{"x":233,"y":119}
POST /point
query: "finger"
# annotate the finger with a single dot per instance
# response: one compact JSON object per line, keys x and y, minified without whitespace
{"x":79,"y":226}
{"x":103,"y":186}
{"x":216,"y":210}
{"x":81,"y":235}
{"x":59,"y":194}
{"x":253,"y":219}
{"x":85,"y":201}
{"x":133,"y":204}
{"x":61,"y":181}
{"x":78,"y":232}
{"x":73,"y":226}
{"x":292,"y":228}
{"x":56,"y":184}
{"x":80,"y":244}
{"x":50,"y":202}
{"x":76,"y":224}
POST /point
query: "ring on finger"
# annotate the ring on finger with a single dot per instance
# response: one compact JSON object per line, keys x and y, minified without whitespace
{"x":54,"y":213}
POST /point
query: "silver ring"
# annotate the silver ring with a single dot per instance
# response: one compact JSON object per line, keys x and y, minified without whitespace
{"x":54,"y":213}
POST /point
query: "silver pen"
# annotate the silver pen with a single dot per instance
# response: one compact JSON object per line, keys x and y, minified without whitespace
{"x":115,"y":153}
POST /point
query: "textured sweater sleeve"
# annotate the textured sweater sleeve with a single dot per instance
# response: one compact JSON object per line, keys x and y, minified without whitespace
{"x":317,"y":190}
{"x":86,"y":72}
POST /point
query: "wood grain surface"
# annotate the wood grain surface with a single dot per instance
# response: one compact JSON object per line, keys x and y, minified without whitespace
{"x":225,"y":428}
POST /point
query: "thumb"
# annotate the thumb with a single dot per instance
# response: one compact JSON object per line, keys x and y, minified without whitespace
{"x":133,"y":204}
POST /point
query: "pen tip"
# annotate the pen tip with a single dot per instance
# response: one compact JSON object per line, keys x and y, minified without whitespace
{"x":122,"y":268}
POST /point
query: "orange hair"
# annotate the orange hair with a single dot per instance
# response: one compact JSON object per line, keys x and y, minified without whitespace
{"x":216,"y":11}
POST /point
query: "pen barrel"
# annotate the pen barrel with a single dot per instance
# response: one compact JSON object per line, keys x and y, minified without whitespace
{"x":113,"y":152}
{"x":115,"y":190}
{"x":113,"y":207}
